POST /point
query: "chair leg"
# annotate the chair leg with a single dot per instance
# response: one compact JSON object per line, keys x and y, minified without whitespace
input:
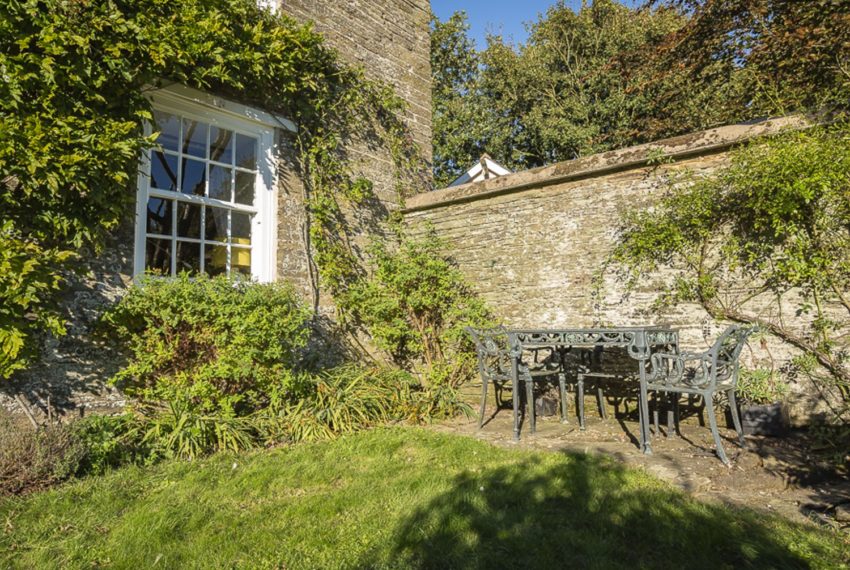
{"x":580,"y":402}
{"x":483,"y":404}
{"x":529,"y":396}
{"x":709,"y":409}
{"x":655,"y":400}
{"x":600,"y":400}
{"x":562,"y":384}
{"x":672,"y":398}
{"x":736,"y":419}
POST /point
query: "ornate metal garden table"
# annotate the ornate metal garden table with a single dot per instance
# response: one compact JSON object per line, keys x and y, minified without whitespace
{"x":638,"y":342}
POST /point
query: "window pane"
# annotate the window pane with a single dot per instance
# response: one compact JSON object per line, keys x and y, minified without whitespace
{"x":220,"y":183}
{"x":194,"y":177}
{"x":245,"y":188}
{"x":221,"y":145}
{"x":188,"y":257}
{"x":163,"y":171}
{"x":240,"y":260}
{"x":216,"y":224}
{"x":195,"y":138}
{"x":215,"y":259}
{"x":168,"y":127}
{"x":158,"y":256}
{"x":246,"y":152}
{"x":240,"y":228}
{"x":159,"y":216}
{"x":188,"y":220}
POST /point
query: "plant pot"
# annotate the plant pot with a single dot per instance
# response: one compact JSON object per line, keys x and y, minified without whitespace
{"x":764,"y":419}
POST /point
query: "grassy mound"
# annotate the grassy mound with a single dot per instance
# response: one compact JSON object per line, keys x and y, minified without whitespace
{"x":396,"y":498}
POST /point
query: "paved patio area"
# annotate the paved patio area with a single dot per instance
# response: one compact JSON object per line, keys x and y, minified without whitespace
{"x":775,"y":474}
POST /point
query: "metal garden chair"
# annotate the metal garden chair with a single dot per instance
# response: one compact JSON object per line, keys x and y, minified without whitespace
{"x":494,"y":366}
{"x":704,"y":374}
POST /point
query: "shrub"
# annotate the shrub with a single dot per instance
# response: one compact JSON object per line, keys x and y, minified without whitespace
{"x":215,"y":343}
{"x":109,"y":442}
{"x":181,"y":431}
{"x":415,"y":305}
{"x":33,"y":459}
{"x":761,"y":386}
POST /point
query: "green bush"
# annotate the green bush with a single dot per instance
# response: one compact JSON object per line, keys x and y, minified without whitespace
{"x":218,"y":344}
{"x":109,"y":442}
{"x":761,"y":386}
{"x":415,"y":304}
{"x":34,"y":459}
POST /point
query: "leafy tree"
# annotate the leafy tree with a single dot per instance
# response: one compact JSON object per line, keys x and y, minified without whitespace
{"x":735,"y":60}
{"x":454,"y":66}
{"x":766,"y":241}
{"x":556,"y":97}
{"x":607,"y":76}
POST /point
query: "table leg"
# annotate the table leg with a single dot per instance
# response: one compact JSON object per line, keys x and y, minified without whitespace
{"x":515,"y":393}
{"x":643,"y":414}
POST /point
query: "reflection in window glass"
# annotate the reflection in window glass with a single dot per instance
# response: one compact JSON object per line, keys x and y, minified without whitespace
{"x":240,"y":228}
{"x":188,"y":257}
{"x":216,"y":225}
{"x":158,"y":256}
{"x":220,"y":182}
{"x":195,"y":138}
{"x":159,"y":216}
{"x":189,"y":220}
{"x":246,"y":152}
{"x":163,"y":171}
{"x":215,"y":259}
{"x":194,"y":177}
{"x":202,"y":181}
{"x":168,"y":127}
{"x":245,"y":187}
{"x":221,"y":145}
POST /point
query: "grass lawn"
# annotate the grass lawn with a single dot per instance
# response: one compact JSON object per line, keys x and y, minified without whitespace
{"x":396,"y":498}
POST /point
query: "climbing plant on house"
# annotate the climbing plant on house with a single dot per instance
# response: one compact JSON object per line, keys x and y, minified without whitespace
{"x":72,"y":106}
{"x":766,"y":241}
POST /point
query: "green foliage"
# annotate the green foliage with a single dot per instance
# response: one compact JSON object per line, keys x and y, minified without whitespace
{"x":415,"y":304}
{"x":761,"y":386}
{"x":560,"y":95}
{"x":73,"y":100}
{"x":608,"y":76}
{"x":110,"y":442}
{"x":774,"y":227}
{"x":216,"y":342}
{"x":28,"y":280}
{"x":181,"y":430}
{"x":34,"y":459}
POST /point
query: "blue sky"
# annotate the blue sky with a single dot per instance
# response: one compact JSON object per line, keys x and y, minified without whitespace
{"x":507,"y":17}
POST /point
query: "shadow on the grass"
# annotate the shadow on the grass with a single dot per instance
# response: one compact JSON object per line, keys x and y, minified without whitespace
{"x":585,"y":512}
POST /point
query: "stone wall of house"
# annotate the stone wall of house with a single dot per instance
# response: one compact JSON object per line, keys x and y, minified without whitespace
{"x":531,"y":243}
{"x":390,"y":40}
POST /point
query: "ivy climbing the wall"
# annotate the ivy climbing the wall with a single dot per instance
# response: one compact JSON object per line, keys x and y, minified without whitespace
{"x":72,"y":108}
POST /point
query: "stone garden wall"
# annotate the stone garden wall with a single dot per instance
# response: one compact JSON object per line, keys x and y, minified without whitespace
{"x":531,"y":243}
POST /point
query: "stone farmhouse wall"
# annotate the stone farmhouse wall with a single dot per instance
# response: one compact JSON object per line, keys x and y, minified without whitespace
{"x":390,"y":40}
{"x":531,"y":243}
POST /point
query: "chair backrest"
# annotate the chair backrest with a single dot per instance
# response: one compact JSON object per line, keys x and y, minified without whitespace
{"x":492,"y":347}
{"x":726,"y":351}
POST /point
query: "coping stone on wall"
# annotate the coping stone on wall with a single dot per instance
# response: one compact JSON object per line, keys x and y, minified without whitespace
{"x":694,"y":144}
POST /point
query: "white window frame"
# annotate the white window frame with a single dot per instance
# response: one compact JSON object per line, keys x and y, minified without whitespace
{"x":219,"y":112}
